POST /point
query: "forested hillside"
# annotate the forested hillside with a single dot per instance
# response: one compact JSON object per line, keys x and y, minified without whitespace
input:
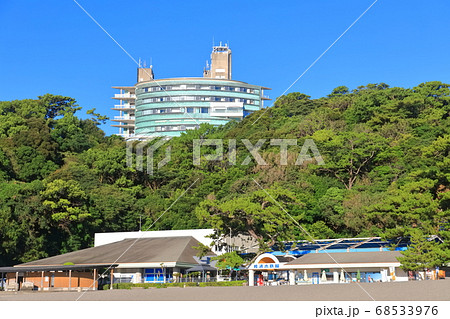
{"x":386,"y":173}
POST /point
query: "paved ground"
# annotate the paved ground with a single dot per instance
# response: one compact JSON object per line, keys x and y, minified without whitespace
{"x":408,"y":291}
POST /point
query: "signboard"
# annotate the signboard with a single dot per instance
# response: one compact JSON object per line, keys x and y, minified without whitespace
{"x":265,"y":266}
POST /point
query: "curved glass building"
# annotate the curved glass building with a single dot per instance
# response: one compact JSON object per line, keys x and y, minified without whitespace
{"x":171,"y":106}
{"x":168,"y":107}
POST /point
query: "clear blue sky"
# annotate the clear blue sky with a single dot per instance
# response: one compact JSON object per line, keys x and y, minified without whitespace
{"x":52,"y":46}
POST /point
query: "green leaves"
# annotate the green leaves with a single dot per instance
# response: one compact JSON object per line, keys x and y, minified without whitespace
{"x":386,"y":172}
{"x":349,"y":155}
{"x":423,"y":253}
{"x":66,"y":202}
{"x":259,"y":214}
{"x":229,"y":260}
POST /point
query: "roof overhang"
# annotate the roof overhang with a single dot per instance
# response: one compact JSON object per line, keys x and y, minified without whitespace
{"x":55,"y":267}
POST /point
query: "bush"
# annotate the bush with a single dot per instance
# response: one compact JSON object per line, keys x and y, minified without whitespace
{"x":223,"y":283}
{"x":129,"y":285}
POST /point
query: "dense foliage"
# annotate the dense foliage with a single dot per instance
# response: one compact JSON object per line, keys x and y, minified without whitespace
{"x":387,"y":173}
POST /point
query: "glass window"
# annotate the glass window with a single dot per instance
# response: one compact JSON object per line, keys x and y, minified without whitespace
{"x":190,"y":110}
{"x":204,"y":110}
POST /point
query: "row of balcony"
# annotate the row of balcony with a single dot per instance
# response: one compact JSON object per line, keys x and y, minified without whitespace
{"x":125,"y":96}
{"x":124,"y":118}
{"x":123,"y":106}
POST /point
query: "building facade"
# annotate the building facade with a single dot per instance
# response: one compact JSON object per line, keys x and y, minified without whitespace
{"x":168,"y":107}
{"x":136,"y":260}
{"x":322,"y":268}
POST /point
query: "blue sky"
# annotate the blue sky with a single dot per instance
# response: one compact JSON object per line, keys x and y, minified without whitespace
{"x":52,"y":46}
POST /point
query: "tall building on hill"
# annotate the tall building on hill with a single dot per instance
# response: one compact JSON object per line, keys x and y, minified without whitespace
{"x":168,"y":107}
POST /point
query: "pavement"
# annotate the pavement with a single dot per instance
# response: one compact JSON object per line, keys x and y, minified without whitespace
{"x":404,"y":291}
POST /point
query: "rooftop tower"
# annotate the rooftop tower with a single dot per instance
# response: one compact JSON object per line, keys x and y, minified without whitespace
{"x":220,"y":63}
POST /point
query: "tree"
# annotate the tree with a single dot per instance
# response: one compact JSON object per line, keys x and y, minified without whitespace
{"x":349,"y":155}
{"x":202,"y":249}
{"x":295,"y":104}
{"x":97,"y":118}
{"x":257,"y":214}
{"x":65,"y":201}
{"x":409,"y":206}
{"x":386,"y":173}
{"x":339,"y":91}
{"x":69,"y":135}
{"x":57,"y":105}
{"x":422,"y":253}
{"x":5,"y":166}
{"x":229,"y":260}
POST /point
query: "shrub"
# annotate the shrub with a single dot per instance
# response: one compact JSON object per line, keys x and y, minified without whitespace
{"x":129,"y":285}
{"x":223,"y":283}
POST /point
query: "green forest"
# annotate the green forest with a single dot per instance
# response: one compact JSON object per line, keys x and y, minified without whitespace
{"x":386,"y":172}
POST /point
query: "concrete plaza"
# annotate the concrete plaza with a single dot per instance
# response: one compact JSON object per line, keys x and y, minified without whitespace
{"x":406,"y":291}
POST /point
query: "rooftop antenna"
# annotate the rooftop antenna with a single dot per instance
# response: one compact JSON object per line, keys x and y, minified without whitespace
{"x":139,"y":62}
{"x":213,"y":41}
{"x":151,"y":62}
{"x":145,"y":64}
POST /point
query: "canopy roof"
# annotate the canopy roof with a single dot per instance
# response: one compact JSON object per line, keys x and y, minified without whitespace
{"x":202,"y":267}
{"x":54,"y":268}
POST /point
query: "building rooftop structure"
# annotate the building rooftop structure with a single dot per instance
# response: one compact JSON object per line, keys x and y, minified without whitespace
{"x":298,"y":248}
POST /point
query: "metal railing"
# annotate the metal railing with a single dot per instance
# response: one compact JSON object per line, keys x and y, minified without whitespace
{"x":124,"y":117}
{"x":125,"y":95}
{"x":124,"y":106}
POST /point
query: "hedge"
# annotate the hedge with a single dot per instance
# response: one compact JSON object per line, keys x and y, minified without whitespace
{"x":129,"y":285}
